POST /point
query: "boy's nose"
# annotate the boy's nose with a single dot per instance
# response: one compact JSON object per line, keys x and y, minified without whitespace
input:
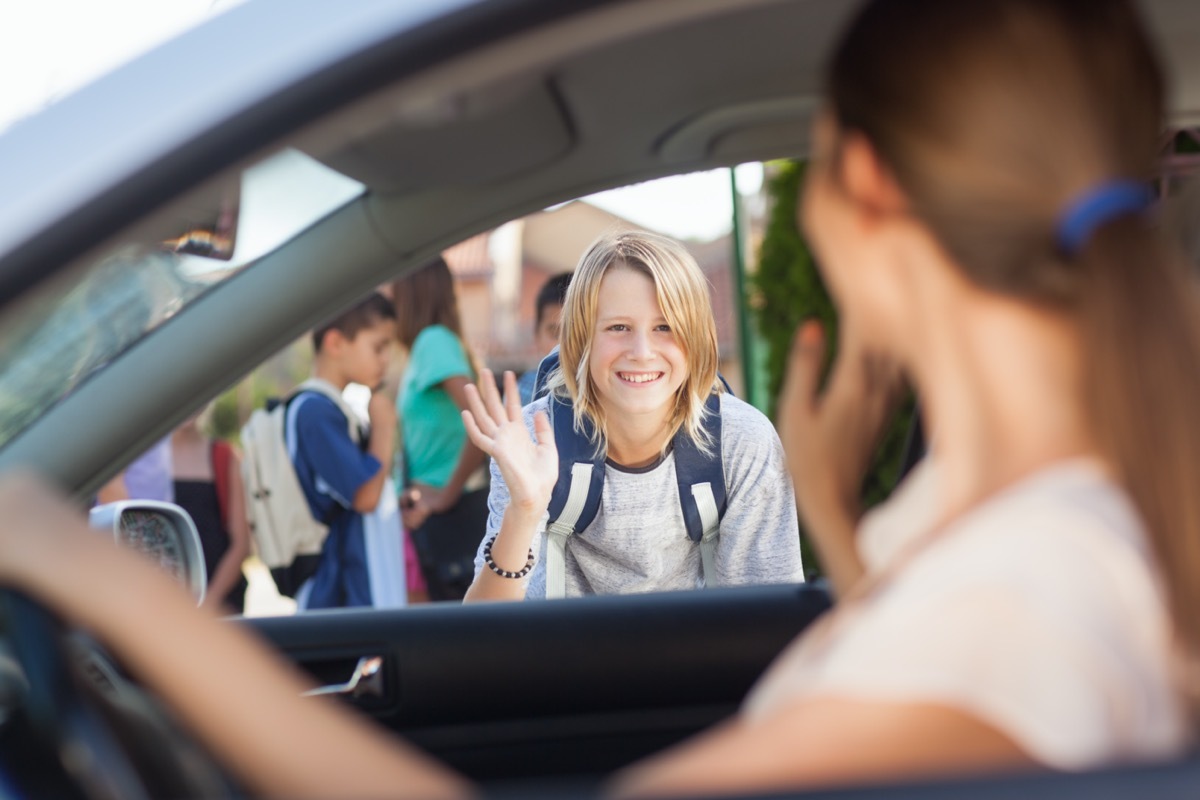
{"x":639,"y":347}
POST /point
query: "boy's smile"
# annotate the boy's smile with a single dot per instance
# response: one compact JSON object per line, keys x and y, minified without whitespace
{"x":636,"y":362}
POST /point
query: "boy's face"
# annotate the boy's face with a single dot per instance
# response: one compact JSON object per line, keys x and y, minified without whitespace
{"x":546,"y":335}
{"x":364,"y":358}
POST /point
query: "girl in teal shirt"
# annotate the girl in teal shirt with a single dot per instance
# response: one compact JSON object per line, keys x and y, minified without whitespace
{"x":439,"y":460}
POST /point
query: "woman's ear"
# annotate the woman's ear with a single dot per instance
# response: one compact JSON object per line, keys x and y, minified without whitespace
{"x":867,"y":179}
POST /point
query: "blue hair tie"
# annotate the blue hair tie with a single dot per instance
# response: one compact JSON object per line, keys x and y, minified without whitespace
{"x":1097,"y":207}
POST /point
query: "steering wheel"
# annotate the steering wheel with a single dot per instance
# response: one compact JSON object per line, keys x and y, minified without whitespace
{"x":59,"y":710}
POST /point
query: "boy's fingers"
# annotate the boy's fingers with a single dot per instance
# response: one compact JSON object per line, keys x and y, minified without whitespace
{"x":482,"y":441}
{"x":491,"y":396}
{"x":512,"y":396}
{"x":485,"y":384}
{"x":804,"y":367}
{"x":479,"y":414}
{"x":543,"y":431}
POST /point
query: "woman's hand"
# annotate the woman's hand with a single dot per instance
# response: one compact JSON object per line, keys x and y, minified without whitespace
{"x":830,"y":438}
{"x":39,"y":528}
{"x":529,"y":466}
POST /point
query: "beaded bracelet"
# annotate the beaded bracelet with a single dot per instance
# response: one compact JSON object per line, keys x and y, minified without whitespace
{"x":503,"y":573}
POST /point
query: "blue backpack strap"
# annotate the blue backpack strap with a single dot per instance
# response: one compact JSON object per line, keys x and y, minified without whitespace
{"x":576,"y":496}
{"x":545,"y":367}
{"x":702,"y":495}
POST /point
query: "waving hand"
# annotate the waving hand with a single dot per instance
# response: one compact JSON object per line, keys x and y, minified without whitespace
{"x":529,"y":465}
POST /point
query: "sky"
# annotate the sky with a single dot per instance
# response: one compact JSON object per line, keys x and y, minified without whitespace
{"x":50,"y":48}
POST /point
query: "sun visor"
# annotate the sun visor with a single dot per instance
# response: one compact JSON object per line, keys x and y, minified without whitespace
{"x":744,"y":131}
{"x":459,"y":140}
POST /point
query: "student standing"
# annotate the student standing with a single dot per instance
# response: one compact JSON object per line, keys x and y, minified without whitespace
{"x":342,"y":472}
{"x":208,"y":485}
{"x":444,"y":502}
{"x":546,"y":328}
{"x":638,"y":364}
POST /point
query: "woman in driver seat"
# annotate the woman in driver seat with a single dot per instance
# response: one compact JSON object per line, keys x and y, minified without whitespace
{"x":978,"y":201}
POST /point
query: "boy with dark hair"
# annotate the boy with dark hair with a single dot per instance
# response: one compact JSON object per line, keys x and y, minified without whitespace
{"x":546,"y":326}
{"x":341,"y":469}
{"x":371,"y":310}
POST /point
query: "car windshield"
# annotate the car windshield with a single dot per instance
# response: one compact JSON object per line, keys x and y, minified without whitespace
{"x":95,"y":312}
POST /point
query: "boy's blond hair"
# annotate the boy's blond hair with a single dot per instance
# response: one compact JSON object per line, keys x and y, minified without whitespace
{"x":683,"y":295}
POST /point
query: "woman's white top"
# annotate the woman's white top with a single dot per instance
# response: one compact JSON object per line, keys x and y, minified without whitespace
{"x":1040,"y":612}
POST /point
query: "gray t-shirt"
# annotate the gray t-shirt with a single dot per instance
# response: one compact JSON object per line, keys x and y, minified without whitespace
{"x":638,"y":541}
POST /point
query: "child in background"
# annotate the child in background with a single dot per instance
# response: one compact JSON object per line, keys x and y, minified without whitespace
{"x":546,"y":328}
{"x":445,"y":506}
{"x":208,"y":485}
{"x":340,"y":481}
{"x":148,"y":477}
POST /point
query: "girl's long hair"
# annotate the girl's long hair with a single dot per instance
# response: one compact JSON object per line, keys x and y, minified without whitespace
{"x":426,"y":297}
{"x":994,"y":116}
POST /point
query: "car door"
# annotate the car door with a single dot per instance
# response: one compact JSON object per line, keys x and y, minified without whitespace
{"x":573,"y":688}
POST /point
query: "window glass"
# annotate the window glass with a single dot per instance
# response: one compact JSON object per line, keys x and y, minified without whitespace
{"x":94,"y":313}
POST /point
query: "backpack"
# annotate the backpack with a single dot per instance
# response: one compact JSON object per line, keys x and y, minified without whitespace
{"x":286,"y":537}
{"x":576,"y":496}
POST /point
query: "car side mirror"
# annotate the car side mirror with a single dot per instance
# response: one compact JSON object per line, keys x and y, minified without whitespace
{"x":163,"y":532}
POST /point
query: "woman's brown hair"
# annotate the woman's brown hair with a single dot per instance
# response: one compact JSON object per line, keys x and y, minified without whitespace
{"x":995,"y":116}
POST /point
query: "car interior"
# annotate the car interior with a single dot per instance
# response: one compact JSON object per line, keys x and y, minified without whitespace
{"x":488,"y":113}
